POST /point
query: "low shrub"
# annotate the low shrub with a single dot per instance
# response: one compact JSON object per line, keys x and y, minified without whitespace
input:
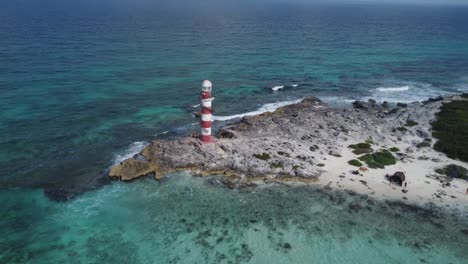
{"x":263,"y":156}
{"x":355,"y":162}
{"x":453,"y":171}
{"x":364,"y":145}
{"x":451,"y":129}
{"x":411,"y":123}
{"x":394,"y":149}
{"x":276,"y":165}
{"x":360,"y":151}
{"x":379,"y":159}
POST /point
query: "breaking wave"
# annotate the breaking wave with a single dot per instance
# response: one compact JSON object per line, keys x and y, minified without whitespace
{"x":132,"y":150}
{"x":406,"y":92}
{"x":276,"y":88}
{"x":393,"y":89}
{"x":279,"y":87}
{"x":265,"y":108}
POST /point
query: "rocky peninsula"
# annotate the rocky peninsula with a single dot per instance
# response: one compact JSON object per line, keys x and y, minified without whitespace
{"x":344,"y":148}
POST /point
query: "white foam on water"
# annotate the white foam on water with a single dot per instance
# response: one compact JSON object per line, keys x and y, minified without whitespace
{"x":195,"y":106}
{"x":393,"y":89}
{"x":276,"y":88}
{"x":406,"y":93}
{"x":279,"y":87}
{"x":264,"y":108}
{"x":132,"y":150}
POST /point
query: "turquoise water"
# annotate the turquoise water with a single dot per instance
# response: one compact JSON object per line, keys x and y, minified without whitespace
{"x":186,"y":219}
{"x":83,"y":87}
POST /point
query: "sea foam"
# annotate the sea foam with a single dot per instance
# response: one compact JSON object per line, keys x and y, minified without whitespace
{"x":264,"y":108}
{"x":130,"y":151}
{"x":393,"y":89}
{"x":276,"y":88}
{"x":279,"y":87}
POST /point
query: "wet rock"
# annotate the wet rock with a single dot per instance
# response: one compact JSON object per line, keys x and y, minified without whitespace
{"x":432,"y":100}
{"x":287,"y":246}
{"x":402,"y":105}
{"x":131,"y":169}
{"x":354,"y":206}
{"x":360,"y":105}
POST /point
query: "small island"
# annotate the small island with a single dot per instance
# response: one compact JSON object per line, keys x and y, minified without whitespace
{"x":358,"y":149}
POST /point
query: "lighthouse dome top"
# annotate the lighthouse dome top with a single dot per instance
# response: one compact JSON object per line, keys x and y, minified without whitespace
{"x":206,"y":86}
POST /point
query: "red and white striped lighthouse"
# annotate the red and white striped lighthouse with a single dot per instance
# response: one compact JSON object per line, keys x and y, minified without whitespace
{"x":206,"y":111}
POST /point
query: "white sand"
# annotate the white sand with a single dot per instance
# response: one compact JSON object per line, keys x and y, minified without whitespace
{"x":421,"y":188}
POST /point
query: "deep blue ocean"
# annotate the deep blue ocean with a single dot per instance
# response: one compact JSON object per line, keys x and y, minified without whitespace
{"x":83,"y":88}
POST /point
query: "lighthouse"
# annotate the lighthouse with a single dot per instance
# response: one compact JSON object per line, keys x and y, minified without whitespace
{"x":206,"y":112}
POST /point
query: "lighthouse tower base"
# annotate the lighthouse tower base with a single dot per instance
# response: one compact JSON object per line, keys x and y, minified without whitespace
{"x":205,"y":140}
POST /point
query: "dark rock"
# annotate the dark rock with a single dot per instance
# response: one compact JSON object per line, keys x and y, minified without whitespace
{"x":423,"y":144}
{"x":432,"y":100}
{"x":402,"y":105}
{"x":354,"y":206}
{"x":360,"y":105}
{"x":224,"y":133}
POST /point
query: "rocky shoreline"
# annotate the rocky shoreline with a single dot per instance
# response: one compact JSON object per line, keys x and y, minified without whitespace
{"x":305,"y":142}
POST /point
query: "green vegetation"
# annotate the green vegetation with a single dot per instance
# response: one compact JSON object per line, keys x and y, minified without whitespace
{"x":295,"y":167}
{"x":411,"y":123}
{"x":355,"y":162}
{"x":263,"y":156}
{"x":370,"y":141}
{"x":451,"y":129}
{"x":394,"y":149}
{"x":321,"y":165}
{"x":361,"y":148}
{"x":453,"y":171}
{"x":360,"y":145}
{"x":362,"y":151}
{"x":465,"y":96}
{"x":402,"y":129}
{"x":379,"y":159}
{"x":276,"y":165}
{"x":282,"y":153}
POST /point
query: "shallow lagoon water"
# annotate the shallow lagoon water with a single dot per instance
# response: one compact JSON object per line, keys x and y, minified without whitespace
{"x":188,"y":219}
